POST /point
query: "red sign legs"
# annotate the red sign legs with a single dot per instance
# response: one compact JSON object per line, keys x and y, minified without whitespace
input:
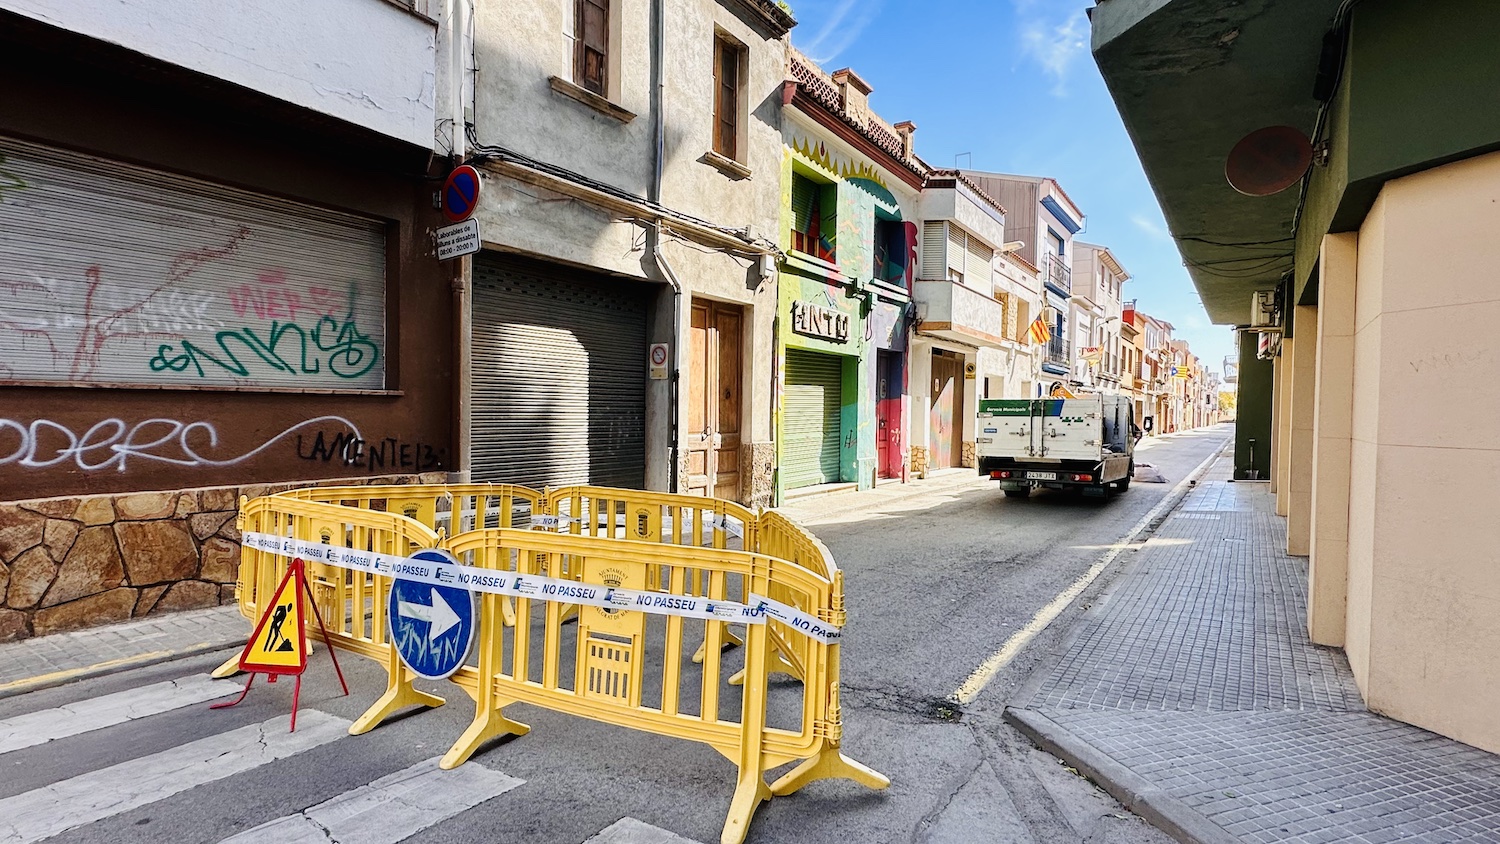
{"x":272,"y":650}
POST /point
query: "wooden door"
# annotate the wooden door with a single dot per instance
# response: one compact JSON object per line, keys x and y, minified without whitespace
{"x":714,"y":400}
{"x":946,"y":425}
{"x":889,"y":389}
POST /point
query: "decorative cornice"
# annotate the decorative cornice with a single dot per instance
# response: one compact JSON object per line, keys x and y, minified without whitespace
{"x":773,"y":13}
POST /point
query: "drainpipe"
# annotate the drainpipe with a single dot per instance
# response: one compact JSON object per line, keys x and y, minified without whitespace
{"x":654,"y":235}
{"x":462,"y":284}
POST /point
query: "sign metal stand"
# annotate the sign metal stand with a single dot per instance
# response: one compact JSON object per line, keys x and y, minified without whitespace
{"x":272,"y":650}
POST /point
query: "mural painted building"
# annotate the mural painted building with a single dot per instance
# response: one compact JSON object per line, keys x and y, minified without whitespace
{"x":850,"y":193}
{"x":221,"y":281}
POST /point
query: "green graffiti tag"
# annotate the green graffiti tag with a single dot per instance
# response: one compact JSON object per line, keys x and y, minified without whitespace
{"x":285,"y":346}
{"x":10,"y":181}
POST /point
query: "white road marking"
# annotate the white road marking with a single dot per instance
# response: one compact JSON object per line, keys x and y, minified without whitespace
{"x":996,"y":662}
{"x":84,"y":799}
{"x":632,"y":831}
{"x":108,"y":710}
{"x":388,"y":810}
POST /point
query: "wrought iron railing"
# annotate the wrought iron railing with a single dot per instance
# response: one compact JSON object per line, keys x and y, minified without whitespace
{"x":1058,"y":274}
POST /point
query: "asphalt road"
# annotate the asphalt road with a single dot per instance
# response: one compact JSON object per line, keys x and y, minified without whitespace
{"x":935,"y":582}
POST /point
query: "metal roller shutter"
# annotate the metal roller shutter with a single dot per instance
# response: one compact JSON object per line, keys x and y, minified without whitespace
{"x":559,"y":375}
{"x":811,"y":426}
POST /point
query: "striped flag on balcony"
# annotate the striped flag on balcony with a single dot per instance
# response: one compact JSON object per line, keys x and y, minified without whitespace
{"x":1039,"y":331}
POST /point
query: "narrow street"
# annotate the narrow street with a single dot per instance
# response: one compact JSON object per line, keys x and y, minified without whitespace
{"x":937,"y":582}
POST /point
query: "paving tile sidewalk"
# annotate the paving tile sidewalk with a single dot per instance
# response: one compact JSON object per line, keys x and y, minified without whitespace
{"x":44,"y":661}
{"x":1194,"y":694}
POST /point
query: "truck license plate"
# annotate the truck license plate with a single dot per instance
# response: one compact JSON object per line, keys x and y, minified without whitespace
{"x":1041,"y":476}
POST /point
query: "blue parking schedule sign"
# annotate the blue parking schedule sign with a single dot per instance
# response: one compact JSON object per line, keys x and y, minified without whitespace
{"x":431,"y":626}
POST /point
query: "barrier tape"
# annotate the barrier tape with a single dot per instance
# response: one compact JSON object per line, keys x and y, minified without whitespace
{"x":538,"y":587}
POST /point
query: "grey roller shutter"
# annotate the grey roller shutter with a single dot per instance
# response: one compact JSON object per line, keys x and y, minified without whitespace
{"x":811,"y":427}
{"x":559,"y":375}
{"x":118,"y":274}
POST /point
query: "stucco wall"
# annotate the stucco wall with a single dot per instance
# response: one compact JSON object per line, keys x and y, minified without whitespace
{"x":302,"y":53}
{"x":1424,"y":574}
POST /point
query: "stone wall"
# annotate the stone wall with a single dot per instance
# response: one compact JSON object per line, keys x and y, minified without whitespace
{"x":919,"y":461}
{"x":67,"y":563}
{"x":967,"y":459}
{"x":758,"y":471}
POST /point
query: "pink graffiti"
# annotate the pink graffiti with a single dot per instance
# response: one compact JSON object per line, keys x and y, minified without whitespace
{"x":269,"y":297}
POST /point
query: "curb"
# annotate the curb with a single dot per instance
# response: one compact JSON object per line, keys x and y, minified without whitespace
{"x":104,"y":669}
{"x":1134,"y":792}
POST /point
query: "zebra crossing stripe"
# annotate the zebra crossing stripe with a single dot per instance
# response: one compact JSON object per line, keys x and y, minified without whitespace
{"x":631,"y":831}
{"x":96,"y":795}
{"x":388,"y":810}
{"x":97,"y":713}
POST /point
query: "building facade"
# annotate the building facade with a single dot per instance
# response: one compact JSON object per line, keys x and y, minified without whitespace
{"x":1362,"y":326}
{"x":1096,"y":311}
{"x":961,"y":324}
{"x":1043,"y":219}
{"x":222,"y":281}
{"x":649,"y":231}
{"x":850,"y":192}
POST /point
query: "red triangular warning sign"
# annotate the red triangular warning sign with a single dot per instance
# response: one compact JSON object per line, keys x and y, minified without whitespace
{"x":279,"y":643}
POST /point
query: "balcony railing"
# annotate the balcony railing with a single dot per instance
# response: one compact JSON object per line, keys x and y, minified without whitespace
{"x":1058,"y":274}
{"x":1058,"y":352}
{"x":956,"y":312}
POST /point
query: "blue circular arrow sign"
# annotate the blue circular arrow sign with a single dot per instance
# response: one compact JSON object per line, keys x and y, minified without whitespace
{"x":432,"y":626}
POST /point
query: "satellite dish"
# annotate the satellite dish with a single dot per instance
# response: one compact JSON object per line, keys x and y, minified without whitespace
{"x":1268,"y":160}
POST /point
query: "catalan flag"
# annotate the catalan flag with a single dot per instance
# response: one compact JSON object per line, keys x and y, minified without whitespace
{"x":1040,"y":333}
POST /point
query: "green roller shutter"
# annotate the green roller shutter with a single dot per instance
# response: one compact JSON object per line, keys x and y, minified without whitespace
{"x":814,"y":405}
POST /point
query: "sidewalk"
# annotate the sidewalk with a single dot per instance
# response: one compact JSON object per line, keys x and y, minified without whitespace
{"x":1192,"y":694}
{"x":45,"y":661}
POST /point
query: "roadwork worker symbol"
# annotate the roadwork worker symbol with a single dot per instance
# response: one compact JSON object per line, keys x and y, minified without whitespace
{"x":279,"y":644}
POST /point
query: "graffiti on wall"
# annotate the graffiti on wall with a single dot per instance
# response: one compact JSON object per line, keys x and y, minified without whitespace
{"x":350,"y":449}
{"x":116,"y":274}
{"x":111,"y":444}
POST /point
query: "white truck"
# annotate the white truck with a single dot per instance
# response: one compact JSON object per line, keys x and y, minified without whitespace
{"x":1079,"y":443}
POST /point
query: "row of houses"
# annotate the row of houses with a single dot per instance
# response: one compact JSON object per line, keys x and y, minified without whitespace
{"x":706,"y":265}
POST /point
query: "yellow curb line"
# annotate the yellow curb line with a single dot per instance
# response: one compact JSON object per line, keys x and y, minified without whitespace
{"x":59,"y":676}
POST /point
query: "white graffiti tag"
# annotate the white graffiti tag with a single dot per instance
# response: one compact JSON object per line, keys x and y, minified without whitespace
{"x":111,"y":443}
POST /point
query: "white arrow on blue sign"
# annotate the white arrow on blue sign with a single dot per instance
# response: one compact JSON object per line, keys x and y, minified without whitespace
{"x":432,"y":627}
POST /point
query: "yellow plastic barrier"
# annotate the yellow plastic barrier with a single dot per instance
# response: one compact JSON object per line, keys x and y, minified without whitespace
{"x":352,"y":604}
{"x":604,"y":676}
{"x":619,"y":665}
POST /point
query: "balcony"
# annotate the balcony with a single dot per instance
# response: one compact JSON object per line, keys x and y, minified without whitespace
{"x":1058,"y":358}
{"x":1058,"y":276}
{"x":370,"y":63}
{"x":953,"y":311}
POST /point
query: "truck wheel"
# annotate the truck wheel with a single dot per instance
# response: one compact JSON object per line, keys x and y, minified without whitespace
{"x":1122,"y":485}
{"x":1017,"y":493}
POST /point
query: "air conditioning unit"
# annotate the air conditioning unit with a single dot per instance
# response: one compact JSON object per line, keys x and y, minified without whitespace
{"x":1265,"y":310}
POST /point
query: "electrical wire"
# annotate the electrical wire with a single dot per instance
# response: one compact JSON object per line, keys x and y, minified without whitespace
{"x":1340,"y":25}
{"x":480,"y":152}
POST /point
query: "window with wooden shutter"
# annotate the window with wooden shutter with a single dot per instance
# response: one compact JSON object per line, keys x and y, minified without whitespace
{"x":958,"y":242}
{"x":727,"y":55}
{"x":979,"y":270}
{"x":591,"y":62}
{"x":934,"y":238}
{"x":805,"y":215}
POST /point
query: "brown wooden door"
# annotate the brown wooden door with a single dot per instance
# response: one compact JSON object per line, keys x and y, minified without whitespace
{"x":946,"y":439}
{"x":714,"y":402}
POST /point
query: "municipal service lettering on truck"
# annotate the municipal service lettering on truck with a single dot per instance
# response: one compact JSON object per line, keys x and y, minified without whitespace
{"x":1082,"y":443}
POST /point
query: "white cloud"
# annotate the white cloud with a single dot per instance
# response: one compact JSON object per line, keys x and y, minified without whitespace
{"x":837,"y":33}
{"x":1153,"y":229}
{"x":1053,"y":43}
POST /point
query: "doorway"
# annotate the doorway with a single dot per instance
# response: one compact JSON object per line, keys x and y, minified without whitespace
{"x":947,"y":415}
{"x":889,"y":390}
{"x":714,"y":400}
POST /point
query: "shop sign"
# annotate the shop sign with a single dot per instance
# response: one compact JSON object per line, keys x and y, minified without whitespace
{"x":817,"y":321}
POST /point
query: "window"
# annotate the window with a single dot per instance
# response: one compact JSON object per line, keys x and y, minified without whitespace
{"x":591,"y":46}
{"x":889,"y":250}
{"x":728,"y":61}
{"x":813,"y":217}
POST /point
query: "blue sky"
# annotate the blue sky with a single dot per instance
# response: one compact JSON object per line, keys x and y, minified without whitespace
{"x":1011,"y":83}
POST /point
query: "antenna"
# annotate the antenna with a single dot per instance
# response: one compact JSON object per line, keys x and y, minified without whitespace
{"x":961,"y":155}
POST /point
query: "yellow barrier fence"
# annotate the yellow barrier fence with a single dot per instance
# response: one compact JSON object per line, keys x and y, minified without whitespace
{"x":658,"y":668}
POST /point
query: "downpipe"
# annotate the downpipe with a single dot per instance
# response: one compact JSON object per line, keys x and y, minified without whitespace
{"x":654,"y":234}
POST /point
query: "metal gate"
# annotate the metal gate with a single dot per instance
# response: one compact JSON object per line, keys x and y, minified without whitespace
{"x":812,"y":419}
{"x":559,"y":375}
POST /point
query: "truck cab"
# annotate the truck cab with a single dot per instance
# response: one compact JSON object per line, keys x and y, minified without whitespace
{"x":1078,"y":443}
